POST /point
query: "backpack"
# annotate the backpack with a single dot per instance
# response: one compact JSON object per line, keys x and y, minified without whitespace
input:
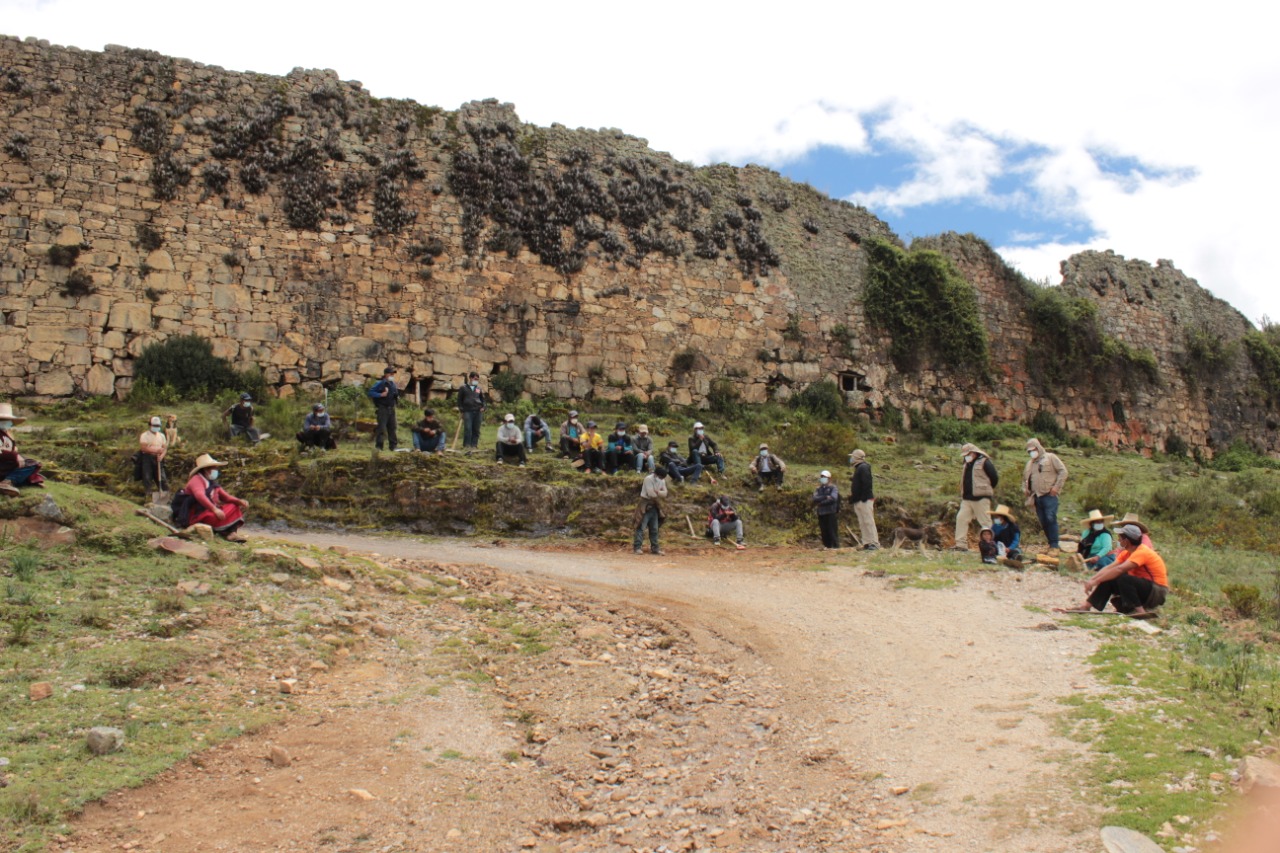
{"x":180,"y":509}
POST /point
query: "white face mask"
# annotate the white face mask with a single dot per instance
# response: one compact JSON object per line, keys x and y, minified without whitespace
{"x":968,"y":459}
{"x":155,"y":429}
{"x":824,"y":480}
{"x":698,"y":432}
{"x":213,"y":475}
{"x":1033,"y":453}
{"x":764,"y":453}
{"x":6,"y":424}
{"x":1098,"y":526}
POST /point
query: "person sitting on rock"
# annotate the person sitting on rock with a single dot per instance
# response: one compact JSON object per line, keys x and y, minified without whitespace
{"x":1096,"y":542}
{"x":677,"y":469}
{"x":428,"y":433}
{"x":15,"y":469}
{"x":1136,"y":584}
{"x":642,"y":444}
{"x":703,"y":449}
{"x":213,"y":505}
{"x":241,"y":415}
{"x":537,"y":431}
{"x":571,"y":437}
{"x":317,"y":429}
{"x":619,"y":451}
{"x":767,"y":468}
{"x":152,"y":447}
{"x":592,"y":450}
{"x":1007,"y":535}
{"x":510,"y":444}
{"x":721,"y":518}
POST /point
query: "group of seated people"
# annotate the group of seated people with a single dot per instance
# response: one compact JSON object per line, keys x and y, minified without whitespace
{"x":622,"y":451}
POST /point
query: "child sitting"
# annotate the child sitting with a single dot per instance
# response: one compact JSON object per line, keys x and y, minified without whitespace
{"x":987,"y":546}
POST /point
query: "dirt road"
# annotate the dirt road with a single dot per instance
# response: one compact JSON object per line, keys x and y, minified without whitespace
{"x":916,"y":718}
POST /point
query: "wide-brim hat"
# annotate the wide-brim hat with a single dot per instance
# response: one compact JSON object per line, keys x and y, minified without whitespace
{"x":203,"y":461}
{"x":6,"y":414}
{"x":1132,"y":518}
{"x":1004,"y":512}
{"x":973,"y":448}
{"x":1096,"y":515}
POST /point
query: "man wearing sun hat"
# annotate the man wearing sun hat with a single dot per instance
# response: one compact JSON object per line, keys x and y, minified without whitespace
{"x":1042,"y":481}
{"x":212,"y":504}
{"x":1095,"y":541}
{"x":15,"y":469}
{"x":862,"y":496}
{"x":642,"y":444}
{"x":978,"y":481}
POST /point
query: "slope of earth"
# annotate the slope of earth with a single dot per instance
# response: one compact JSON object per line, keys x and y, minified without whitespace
{"x":769,"y":700}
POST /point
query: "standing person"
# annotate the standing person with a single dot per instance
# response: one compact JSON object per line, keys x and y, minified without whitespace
{"x":1042,"y":481}
{"x":429,"y":434}
{"x":768,"y":468}
{"x":1095,"y":541}
{"x":703,"y":450}
{"x":673,"y":461}
{"x":536,"y":431}
{"x":212,"y":504}
{"x":317,"y":429}
{"x":592,"y":449}
{"x":722,"y":517}
{"x":471,"y":403}
{"x":862,"y":496}
{"x":649,"y":514}
{"x":385,"y":394}
{"x":571,"y":437}
{"x":643,"y":446}
{"x":978,"y":482}
{"x":152,"y":447}
{"x":618,"y":449}
{"x":241,"y":415}
{"x":510,"y":442}
{"x":826,"y":500}
{"x":1136,"y":584}
{"x":15,"y":469}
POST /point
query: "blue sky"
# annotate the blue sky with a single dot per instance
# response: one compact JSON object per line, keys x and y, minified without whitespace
{"x":1147,"y":130}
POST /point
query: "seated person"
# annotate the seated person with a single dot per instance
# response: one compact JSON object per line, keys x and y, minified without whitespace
{"x":1006,"y":533}
{"x":703,"y":450}
{"x":1096,"y":542}
{"x":428,"y":433}
{"x":642,"y":444}
{"x":510,"y":443}
{"x":722,"y":517}
{"x":15,"y":469}
{"x":1136,"y":584}
{"x":677,"y":468}
{"x":537,"y":431}
{"x":571,"y":437}
{"x":212,"y":504}
{"x":592,"y":449}
{"x":987,"y":546}
{"x":768,"y":468}
{"x":619,"y":451}
{"x":317,"y":429}
{"x":241,"y":415}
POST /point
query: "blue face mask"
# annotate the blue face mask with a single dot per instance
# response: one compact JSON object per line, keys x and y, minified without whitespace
{"x":824,"y":480}
{"x":155,"y":429}
{"x":213,"y":475}
{"x":6,"y":424}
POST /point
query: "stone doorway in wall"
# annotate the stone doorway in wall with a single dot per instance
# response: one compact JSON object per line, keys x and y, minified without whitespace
{"x":420,"y":389}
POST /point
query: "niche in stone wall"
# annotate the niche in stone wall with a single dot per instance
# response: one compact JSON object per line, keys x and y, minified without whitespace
{"x":1117,"y":412}
{"x":851,"y":381}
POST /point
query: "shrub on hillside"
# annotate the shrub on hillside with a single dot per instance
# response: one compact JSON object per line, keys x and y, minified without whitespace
{"x":1245,"y":599}
{"x":821,"y":399}
{"x":186,"y":364}
{"x":509,"y":384}
{"x":818,"y":443}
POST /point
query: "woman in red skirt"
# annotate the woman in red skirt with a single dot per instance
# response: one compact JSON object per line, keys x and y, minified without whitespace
{"x":213,"y":506}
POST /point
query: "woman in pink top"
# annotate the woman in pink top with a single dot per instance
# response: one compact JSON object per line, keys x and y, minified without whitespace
{"x":213,"y":506}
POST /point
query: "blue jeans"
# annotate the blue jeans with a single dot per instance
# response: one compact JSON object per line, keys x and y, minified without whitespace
{"x":649,"y":521}
{"x":531,"y":443}
{"x":708,"y":460}
{"x":680,"y":473}
{"x":429,"y":445}
{"x":643,"y":461}
{"x":1047,"y":512}
{"x":471,"y":428}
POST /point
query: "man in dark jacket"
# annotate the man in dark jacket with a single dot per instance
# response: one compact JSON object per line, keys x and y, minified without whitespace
{"x":862,"y":495}
{"x":704,"y":451}
{"x":385,"y":395}
{"x":429,"y":434}
{"x":471,"y":402}
{"x":826,"y":500}
{"x":618,"y":451}
{"x":676,"y":466}
{"x":978,"y":483}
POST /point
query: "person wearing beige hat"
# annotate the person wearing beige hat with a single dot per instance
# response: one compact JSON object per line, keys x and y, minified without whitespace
{"x":642,"y":444}
{"x":15,"y":469}
{"x":1095,"y":541}
{"x":767,"y":468}
{"x":1136,"y":584}
{"x":152,"y":448}
{"x":862,"y":496}
{"x":1042,"y":482}
{"x":1007,"y":535}
{"x":211,"y":504}
{"x":978,"y":481}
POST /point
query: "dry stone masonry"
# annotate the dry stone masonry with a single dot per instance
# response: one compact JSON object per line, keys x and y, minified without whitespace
{"x":307,"y":227}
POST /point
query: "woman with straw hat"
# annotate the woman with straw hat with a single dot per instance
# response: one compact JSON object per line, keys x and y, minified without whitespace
{"x":1096,"y":542}
{"x":15,"y":469}
{"x":1007,"y":535}
{"x":213,"y":506}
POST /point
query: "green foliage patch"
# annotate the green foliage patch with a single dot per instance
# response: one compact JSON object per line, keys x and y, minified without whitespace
{"x":186,"y":364}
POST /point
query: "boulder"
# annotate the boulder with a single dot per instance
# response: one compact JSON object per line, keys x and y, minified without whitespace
{"x":35,"y":531}
{"x":1258,"y":772}
{"x":1119,"y":839}
{"x":102,"y":740}
{"x":173,"y":545}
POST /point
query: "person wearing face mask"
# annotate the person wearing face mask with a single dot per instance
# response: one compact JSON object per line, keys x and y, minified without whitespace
{"x":212,"y":505}
{"x":649,"y":512}
{"x":1007,"y":536}
{"x":317,"y":429}
{"x":510,"y":442}
{"x":1136,"y":584}
{"x":571,"y":437}
{"x":619,"y":450}
{"x":862,"y":496}
{"x":673,"y":460}
{"x":1042,"y":481}
{"x":241,"y":415}
{"x":703,"y":450}
{"x":643,"y":446}
{"x":15,"y":469}
{"x":471,"y":403}
{"x":826,"y":500}
{"x":152,"y":447}
{"x":537,"y":430}
{"x":723,"y":518}
{"x":592,"y":450}
{"x":978,"y":481}
{"x":1096,"y":542}
{"x":767,"y":468}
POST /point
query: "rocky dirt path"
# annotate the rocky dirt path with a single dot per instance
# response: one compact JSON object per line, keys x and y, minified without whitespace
{"x":763,"y":700}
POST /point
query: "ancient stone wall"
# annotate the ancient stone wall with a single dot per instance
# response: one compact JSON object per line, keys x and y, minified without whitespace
{"x":306,"y":227}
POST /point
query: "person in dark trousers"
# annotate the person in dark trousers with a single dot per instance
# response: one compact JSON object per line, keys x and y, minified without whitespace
{"x":1136,"y":584}
{"x":618,"y":451}
{"x":241,"y":415}
{"x":673,"y":461}
{"x":703,"y":450}
{"x":317,"y":429}
{"x":862,"y":496}
{"x":767,"y":468}
{"x":537,"y":431}
{"x":826,"y":500}
{"x":510,"y":444}
{"x":471,"y":403}
{"x":649,"y":514}
{"x":385,"y":394}
{"x":429,"y":434}
{"x":571,"y":437}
